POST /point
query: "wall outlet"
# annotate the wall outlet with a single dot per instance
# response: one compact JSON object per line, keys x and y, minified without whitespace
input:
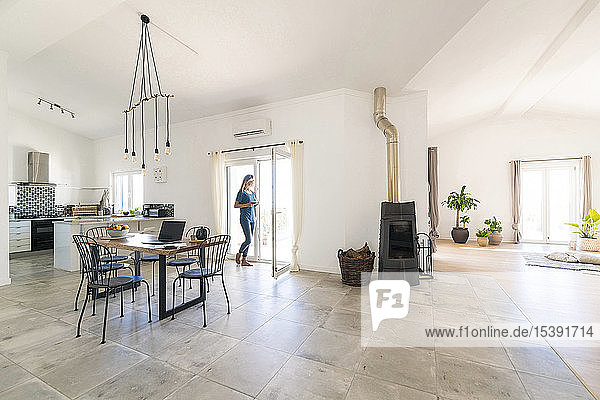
{"x":160,"y":174}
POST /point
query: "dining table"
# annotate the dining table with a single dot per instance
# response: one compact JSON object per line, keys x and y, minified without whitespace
{"x":138,"y":244}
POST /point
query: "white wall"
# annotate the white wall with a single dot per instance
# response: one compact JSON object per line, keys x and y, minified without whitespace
{"x":345,"y":179}
{"x":71,"y":155}
{"x":4,"y":269}
{"x":478,"y":157}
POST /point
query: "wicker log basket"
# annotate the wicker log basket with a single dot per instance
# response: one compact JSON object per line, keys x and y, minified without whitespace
{"x":353,"y":263}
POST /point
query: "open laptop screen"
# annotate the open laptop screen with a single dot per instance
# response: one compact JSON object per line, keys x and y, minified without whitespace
{"x":171,"y":231}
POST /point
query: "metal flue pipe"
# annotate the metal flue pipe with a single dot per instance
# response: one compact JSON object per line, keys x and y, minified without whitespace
{"x":391,"y":135}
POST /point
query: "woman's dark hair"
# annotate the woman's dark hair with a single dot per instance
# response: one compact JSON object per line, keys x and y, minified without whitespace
{"x":245,"y":181}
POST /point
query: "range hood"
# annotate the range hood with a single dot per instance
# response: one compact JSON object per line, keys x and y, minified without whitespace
{"x":38,"y":167}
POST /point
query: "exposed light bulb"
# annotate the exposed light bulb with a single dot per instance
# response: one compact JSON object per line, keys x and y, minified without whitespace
{"x":144,"y":168}
{"x":126,"y":156}
{"x":133,"y":159}
{"x":156,"y":157}
{"x":168,"y":150}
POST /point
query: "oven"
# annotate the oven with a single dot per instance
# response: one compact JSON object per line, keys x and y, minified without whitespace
{"x":42,"y":234}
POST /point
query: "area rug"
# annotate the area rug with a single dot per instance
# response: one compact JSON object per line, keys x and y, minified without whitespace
{"x":539,"y":260}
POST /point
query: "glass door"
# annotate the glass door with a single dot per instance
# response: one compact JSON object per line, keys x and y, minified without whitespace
{"x":549,"y":199}
{"x":281,"y":213}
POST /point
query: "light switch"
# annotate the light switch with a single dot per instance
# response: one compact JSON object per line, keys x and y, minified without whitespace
{"x":160,"y":174}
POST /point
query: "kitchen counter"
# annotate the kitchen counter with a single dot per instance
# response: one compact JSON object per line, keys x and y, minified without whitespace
{"x":66,"y":256}
{"x":107,"y":219}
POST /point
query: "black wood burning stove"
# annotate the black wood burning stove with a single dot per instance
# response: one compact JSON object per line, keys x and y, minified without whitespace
{"x":397,"y":241}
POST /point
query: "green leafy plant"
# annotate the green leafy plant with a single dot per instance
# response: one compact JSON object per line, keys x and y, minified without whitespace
{"x":589,"y":227}
{"x":465,"y":219}
{"x":460,"y":202}
{"x":483,"y":232}
{"x":493,"y":224}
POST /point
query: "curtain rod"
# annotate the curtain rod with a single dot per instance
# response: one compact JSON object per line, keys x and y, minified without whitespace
{"x":256,"y":147}
{"x":552,"y":159}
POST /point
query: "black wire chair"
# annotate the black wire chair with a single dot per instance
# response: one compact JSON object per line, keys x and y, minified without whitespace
{"x":194,"y":256}
{"x":213,"y":258}
{"x":111,"y":259}
{"x":100,"y":275}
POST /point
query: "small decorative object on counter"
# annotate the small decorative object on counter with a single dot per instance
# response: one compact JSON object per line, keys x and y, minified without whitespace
{"x":116,"y":231}
{"x":353,"y":263}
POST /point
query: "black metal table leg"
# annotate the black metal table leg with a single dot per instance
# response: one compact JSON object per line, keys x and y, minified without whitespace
{"x":162,"y":286}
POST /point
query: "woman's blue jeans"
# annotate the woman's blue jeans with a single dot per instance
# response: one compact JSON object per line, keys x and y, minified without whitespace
{"x":248,"y":228}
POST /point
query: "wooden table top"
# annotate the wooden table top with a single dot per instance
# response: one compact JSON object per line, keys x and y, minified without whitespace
{"x":135,"y":242}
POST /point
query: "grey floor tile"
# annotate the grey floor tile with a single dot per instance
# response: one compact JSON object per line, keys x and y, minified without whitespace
{"x":150,"y":379}
{"x":11,"y":374}
{"x":540,"y":361}
{"x":267,"y":305}
{"x":350,"y":322}
{"x":487,"y":355}
{"x":460,"y":379}
{"x":411,"y":367}
{"x":333,"y":348}
{"x":542,"y":388}
{"x":304,"y":313}
{"x":202,"y":389}
{"x":238,"y":324}
{"x":155,"y":337}
{"x":282,"y":335}
{"x":197,"y":351}
{"x":302,"y":379}
{"x":246,"y":368}
{"x":325,"y":297}
{"x":80,"y":374}
{"x":368,"y":388}
{"x":32,"y":389}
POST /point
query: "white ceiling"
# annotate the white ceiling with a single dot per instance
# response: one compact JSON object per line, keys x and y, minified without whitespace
{"x":81,"y":54}
{"x":514,"y":58}
{"x":477,"y":59}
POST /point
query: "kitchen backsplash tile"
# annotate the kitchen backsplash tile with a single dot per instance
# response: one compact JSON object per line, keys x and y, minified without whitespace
{"x":35,"y":200}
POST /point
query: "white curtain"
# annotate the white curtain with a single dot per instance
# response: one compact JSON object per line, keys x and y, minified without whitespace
{"x":297,"y":156}
{"x":217,"y":182}
{"x":515,"y":191}
{"x":586,"y":185}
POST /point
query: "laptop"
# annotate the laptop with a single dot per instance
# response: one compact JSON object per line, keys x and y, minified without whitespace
{"x":170,"y":231}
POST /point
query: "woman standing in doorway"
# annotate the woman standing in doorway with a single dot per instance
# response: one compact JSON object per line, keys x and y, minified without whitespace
{"x":246,"y":201}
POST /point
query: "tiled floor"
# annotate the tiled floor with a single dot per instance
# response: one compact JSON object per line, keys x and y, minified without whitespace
{"x":295,"y":338}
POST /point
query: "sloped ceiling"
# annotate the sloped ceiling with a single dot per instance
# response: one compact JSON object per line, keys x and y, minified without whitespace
{"x":514,"y":59}
{"x":215,"y":56}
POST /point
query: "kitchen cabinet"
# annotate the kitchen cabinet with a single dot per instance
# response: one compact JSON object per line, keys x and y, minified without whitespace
{"x":19,"y":236}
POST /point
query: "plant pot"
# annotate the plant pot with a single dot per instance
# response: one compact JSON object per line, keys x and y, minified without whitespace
{"x":460,"y":235}
{"x":495,"y":238}
{"x":587,"y":244}
{"x":482,"y":241}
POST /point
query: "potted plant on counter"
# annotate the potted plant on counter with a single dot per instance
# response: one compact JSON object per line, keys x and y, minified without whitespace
{"x":483,"y":237}
{"x":495,"y":227}
{"x":460,"y":202}
{"x":588,"y":230}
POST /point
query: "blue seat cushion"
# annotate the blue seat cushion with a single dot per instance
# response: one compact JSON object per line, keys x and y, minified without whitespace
{"x":182,"y":261}
{"x":194,"y":273}
{"x":107,"y":259}
{"x":112,"y":266}
{"x":113,"y":282}
{"x":151,"y":257}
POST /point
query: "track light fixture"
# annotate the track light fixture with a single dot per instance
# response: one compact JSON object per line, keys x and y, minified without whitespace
{"x":145,"y":67}
{"x":53,"y":106}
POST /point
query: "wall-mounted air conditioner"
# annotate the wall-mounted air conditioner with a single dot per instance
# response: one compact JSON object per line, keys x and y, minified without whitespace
{"x":252,"y":128}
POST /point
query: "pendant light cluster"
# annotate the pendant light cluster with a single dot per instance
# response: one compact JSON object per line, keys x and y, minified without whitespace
{"x":147,"y":91}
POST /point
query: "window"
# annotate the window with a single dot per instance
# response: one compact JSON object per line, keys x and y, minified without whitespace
{"x":550,"y":194}
{"x":128,"y":190}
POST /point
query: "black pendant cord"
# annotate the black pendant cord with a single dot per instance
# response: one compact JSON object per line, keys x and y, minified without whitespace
{"x":153,"y":60}
{"x":156,"y":128}
{"x":168,"y":124}
{"x":143,"y":96}
{"x":126,"y":136}
{"x":147,"y":66}
{"x":137,"y":61}
{"x":133,"y":134}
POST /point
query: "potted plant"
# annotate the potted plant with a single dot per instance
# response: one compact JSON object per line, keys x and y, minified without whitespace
{"x":495,"y":227}
{"x":483,"y":237}
{"x":460,"y":202}
{"x":588,"y":230}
